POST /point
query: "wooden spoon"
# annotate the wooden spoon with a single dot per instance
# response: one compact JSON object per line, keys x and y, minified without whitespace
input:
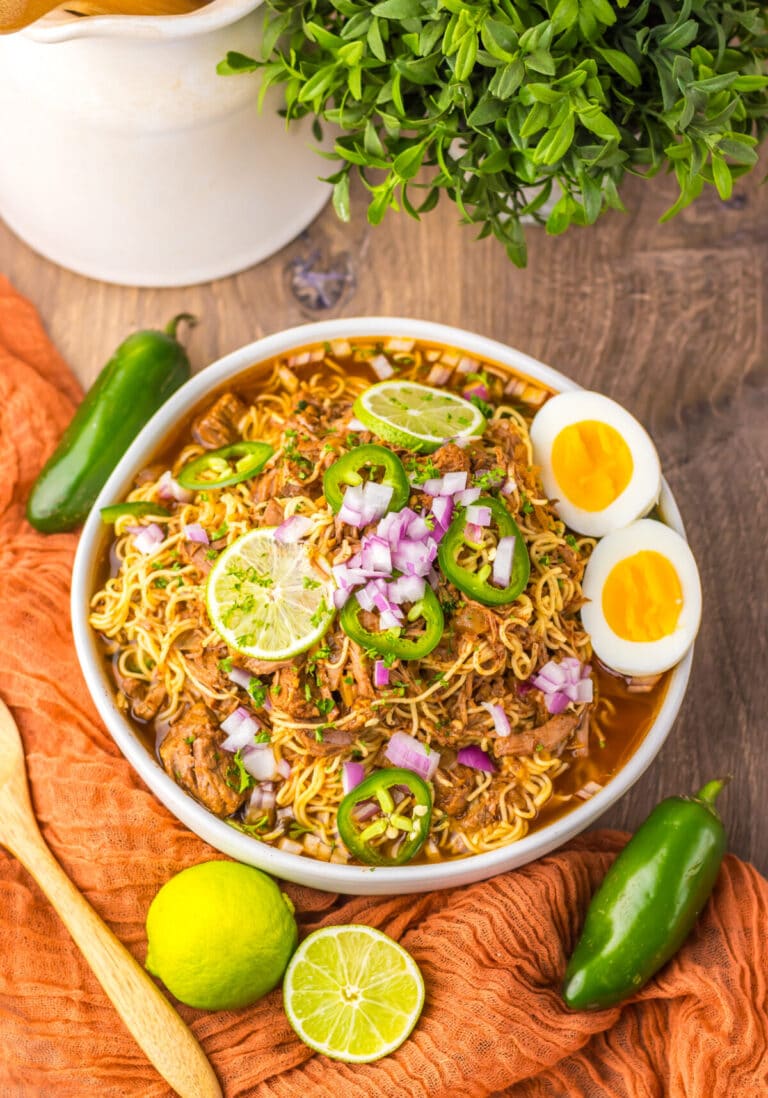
{"x":155,"y":1025}
{"x":16,"y":14}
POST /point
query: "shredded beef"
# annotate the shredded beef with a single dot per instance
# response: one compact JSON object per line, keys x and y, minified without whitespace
{"x":218,"y":426}
{"x":552,"y":736}
{"x":192,"y":755}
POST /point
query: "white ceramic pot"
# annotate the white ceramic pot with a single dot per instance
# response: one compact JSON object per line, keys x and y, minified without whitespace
{"x":363,"y":880}
{"x":127,"y":158}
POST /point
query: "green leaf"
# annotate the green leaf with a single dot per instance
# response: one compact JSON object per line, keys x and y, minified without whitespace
{"x":375,"y":41}
{"x":487,"y":110}
{"x":681,"y":36}
{"x":466,"y":56}
{"x":722,"y":177}
{"x":235,"y":63}
{"x":341,"y":197}
{"x":317,"y":86}
{"x":507,"y":80}
{"x":565,"y":15}
{"x":598,"y":122}
{"x":379,"y":205}
{"x":555,"y":143}
{"x":407,"y":163}
{"x":541,"y":61}
{"x":397,"y":9}
{"x":623,"y":64}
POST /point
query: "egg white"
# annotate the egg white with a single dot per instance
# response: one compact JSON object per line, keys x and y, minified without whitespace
{"x":641,"y":657}
{"x":644,"y":487}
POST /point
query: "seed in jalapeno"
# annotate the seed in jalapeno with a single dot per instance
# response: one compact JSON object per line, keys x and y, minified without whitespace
{"x":229,"y":465}
{"x":134,"y":509}
{"x":367,"y":838}
{"x":348,"y":472}
{"x":475,"y":581}
{"x":390,"y":642}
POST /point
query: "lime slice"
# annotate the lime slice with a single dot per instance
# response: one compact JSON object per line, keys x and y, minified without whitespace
{"x":415,"y":416}
{"x":267,"y":600}
{"x":352,"y":993}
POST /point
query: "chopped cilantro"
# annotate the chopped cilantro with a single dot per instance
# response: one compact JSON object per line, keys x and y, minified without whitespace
{"x":258,"y":692}
{"x":211,"y":554}
{"x":225,"y":665}
{"x":571,"y":540}
{"x":245,"y":779}
{"x":310,"y":584}
{"x":263,"y":736}
{"x":220,"y":532}
{"x":527,"y":506}
{"x":483,"y":406}
{"x":161,"y":581}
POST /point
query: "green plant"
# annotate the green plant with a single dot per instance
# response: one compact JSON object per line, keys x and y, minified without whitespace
{"x":496,"y":101}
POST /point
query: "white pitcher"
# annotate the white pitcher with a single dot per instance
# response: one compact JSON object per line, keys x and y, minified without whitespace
{"x":125,"y":157}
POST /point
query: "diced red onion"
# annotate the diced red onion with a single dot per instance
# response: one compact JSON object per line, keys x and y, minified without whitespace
{"x":453,"y":483}
{"x":293,"y":529}
{"x":147,"y":538}
{"x":284,"y":768}
{"x":352,"y":773}
{"x":500,"y":718}
{"x":418,"y":528}
{"x":380,"y":673}
{"x":438,"y":375}
{"x":260,"y":762}
{"x":241,"y":727}
{"x":351,"y":517}
{"x":376,"y":556}
{"x":502,"y":562}
{"x":356,"y":425}
{"x":468,"y":496}
{"x":434,"y":579}
{"x":408,"y":752}
{"x":475,"y":757}
{"x":477,"y":390}
{"x":378,"y":496}
{"x":508,"y":487}
{"x":168,"y":488}
{"x":556,"y":702}
{"x":366,"y":810}
{"x":407,"y":589}
{"x":262,"y":799}
{"x":365,"y":598}
{"x":240,"y":677}
{"x":195,"y":532}
{"x":388,"y":619}
{"x":564,"y":682}
{"x":442,"y":509}
{"x":473,"y":534}
{"x":382,"y":367}
{"x":478,"y":516}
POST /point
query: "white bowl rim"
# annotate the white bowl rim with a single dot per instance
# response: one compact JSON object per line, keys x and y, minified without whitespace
{"x":329,"y":876}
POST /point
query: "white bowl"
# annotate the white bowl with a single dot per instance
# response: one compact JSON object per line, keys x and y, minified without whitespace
{"x":303,"y":870}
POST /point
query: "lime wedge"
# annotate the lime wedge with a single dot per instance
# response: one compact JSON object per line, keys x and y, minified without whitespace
{"x":415,"y":416}
{"x":266,"y":599}
{"x":352,"y":993}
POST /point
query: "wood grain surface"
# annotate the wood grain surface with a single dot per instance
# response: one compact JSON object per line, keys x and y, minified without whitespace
{"x":671,"y":320}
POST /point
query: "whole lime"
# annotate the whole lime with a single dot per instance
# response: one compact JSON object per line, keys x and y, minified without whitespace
{"x":220,"y":935}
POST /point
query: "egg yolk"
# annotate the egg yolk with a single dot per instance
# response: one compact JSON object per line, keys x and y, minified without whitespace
{"x":592,"y":464}
{"x":642,"y":597}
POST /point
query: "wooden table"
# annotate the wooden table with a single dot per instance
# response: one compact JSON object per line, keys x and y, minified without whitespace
{"x":671,"y":320}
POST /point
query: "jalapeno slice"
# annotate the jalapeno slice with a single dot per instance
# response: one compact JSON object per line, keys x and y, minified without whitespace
{"x":134,"y":508}
{"x":228,"y":465}
{"x":472,"y":574}
{"x":348,"y":472}
{"x":369,"y":837}
{"x":390,"y":642}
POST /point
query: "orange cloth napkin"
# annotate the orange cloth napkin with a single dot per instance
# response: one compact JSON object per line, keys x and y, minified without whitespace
{"x":492,"y":954}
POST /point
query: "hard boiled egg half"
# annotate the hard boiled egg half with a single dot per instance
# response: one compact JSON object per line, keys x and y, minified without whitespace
{"x":644,"y":597}
{"x":598,"y":464}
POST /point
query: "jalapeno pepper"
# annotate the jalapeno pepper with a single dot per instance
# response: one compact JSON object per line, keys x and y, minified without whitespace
{"x":230,"y":465}
{"x":134,"y":508}
{"x":390,"y":642}
{"x":367,"y":837}
{"x":476,"y":583}
{"x":648,"y":902}
{"x":347,"y":472}
{"x":143,"y":372}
